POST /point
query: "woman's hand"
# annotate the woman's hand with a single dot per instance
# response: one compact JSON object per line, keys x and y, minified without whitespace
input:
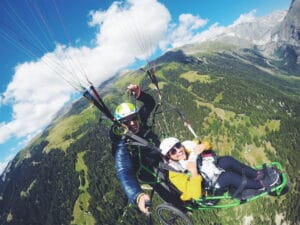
{"x":198,"y":149}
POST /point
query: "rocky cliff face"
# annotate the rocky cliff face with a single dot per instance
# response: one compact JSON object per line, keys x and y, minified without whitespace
{"x":285,"y":39}
{"x":289,"y":30}
{"x":255,"y":31}
{"x":275,"y":36}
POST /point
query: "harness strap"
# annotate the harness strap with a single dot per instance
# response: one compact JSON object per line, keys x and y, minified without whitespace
{"x":265,"y":171}
{"x":241,"y":187}
{"x":135,"y":143}
{"x":149,"y":204}
{"x":140,"y":141}
{"x":94,"y":97}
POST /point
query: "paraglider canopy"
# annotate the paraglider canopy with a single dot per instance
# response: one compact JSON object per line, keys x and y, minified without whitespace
{"x":60,"y":65}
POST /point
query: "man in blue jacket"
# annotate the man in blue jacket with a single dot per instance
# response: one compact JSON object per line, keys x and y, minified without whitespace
{"x":136,"y":121}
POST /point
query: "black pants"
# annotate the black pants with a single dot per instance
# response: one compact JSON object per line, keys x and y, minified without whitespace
{"x":233,"y":175}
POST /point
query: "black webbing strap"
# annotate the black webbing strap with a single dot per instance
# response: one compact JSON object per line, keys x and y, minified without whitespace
{"x":241,"y":187}
{"x":267,"y":177}
{"x":94,"y":97}
{"x":140,"y":141}
{"x":153,"y":78}
{"x":149,"y":205}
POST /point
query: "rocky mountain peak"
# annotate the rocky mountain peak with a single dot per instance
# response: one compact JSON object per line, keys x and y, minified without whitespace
{"x":289,"y":30}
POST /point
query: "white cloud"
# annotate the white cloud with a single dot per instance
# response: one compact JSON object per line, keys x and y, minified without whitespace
{"x":36,"y":94}
{"x":245,"y":18}
{"x":215,"y":30}
{"x":184,"y":32}
{"x":1,"y":100}
{"x":248,"y":29}
{"x":210,"y":34}
{"x":37,"y":91}
{"x":131,"y":33}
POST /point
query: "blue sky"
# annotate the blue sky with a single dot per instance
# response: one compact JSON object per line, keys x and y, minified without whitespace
{"x":104,"y":40}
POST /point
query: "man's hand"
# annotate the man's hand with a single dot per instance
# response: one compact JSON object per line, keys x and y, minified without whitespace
{"x":134,"y":89}
{"x":142,"y":200}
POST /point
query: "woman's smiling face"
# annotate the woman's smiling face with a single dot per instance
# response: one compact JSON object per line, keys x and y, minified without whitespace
{"x":177,"y":152}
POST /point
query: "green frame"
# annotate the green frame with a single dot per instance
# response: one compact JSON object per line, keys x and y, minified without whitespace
{"x":200,"y":203}
{"x":277,"y":190}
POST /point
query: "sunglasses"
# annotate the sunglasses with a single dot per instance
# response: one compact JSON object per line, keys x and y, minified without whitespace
{"x":173,"y":150}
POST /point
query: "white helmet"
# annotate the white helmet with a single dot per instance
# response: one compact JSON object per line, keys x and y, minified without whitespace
{"x":167,"y":143}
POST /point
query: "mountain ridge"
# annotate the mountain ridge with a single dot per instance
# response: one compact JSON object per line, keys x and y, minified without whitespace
{"x":245,"y":101}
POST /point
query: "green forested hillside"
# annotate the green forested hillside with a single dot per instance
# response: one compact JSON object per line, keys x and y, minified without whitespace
{"x":246,"y":105}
